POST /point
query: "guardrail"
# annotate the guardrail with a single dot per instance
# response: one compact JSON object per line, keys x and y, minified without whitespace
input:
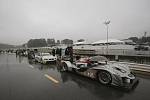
{"x":144,"y":68}
{"x":122,"y":52}
{"x":84,"y":51}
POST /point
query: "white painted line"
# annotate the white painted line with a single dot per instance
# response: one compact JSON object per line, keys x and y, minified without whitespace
{"x":51,"y":78}
{"x":31,"y":66}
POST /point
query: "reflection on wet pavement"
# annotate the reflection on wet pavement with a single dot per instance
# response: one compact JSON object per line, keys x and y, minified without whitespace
{"x":92,"y":86}
{"x":70,"y":87}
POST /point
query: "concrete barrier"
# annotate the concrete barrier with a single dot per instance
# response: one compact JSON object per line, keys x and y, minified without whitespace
{"x":138,"y":68}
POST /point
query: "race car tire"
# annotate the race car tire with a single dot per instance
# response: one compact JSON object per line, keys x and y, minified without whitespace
{"x":41,"y":61}
{"x":104,"y":77}
{"x":64,"y":67}
{"x":73,"y":70}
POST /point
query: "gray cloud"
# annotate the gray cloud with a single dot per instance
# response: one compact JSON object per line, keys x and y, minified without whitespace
{"x":21,"y":20}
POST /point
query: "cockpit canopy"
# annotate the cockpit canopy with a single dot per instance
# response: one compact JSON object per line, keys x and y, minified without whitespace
{"x":95,"y":60}
{"x":98,"y":59}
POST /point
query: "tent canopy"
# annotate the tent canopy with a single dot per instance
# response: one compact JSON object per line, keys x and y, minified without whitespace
{"x":109,"y":41}
{"x":79,"y":43}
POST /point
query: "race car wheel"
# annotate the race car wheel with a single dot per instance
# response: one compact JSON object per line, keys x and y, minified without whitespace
{"x":64,"y":67}
{"x":42,"y":62}
{"x":104,"y":77}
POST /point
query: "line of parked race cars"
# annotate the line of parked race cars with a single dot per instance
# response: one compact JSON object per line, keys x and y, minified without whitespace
{"x":94,"y":67}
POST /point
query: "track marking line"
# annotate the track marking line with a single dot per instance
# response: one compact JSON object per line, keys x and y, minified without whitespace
{"x":51,"y":78}
{"x":31,"y":66}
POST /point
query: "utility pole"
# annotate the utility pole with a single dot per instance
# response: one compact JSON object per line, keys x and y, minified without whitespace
{"x":107,"y":28}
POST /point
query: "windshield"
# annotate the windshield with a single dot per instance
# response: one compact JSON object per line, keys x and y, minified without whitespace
{"x":45,"y":54}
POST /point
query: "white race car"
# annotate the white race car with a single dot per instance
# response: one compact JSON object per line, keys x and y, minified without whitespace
{"x":105,"y":72}
{"x":45,"y":58}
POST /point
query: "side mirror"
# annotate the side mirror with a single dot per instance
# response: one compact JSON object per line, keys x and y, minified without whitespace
{"x":82,"y":67}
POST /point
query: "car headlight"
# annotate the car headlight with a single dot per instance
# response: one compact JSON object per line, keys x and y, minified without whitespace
{"x":121,"y":70}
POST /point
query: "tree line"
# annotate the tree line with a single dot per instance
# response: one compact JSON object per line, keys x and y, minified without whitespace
{"x":49,"y":42}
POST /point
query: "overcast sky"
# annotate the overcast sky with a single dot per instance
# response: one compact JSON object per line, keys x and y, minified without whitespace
{"x":21,"y":20}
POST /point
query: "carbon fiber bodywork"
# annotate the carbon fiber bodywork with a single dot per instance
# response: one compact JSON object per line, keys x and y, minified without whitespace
{"x":125,"y":81}
{"x":120,"y":81}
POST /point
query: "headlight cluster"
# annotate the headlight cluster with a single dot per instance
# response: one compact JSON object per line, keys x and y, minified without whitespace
{"x":121,"y":70}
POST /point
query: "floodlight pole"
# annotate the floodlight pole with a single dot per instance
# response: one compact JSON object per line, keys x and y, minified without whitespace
{"x":107,"y":37}
{"x":106,"y":23}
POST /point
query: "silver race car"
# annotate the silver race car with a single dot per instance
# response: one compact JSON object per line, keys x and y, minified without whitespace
{"x":98,"y":67}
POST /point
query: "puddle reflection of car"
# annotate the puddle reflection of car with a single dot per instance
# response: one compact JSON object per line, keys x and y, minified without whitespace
{"x":94,"y":88}
{"x":46,"y":67}
{"x":99,"y":68}
{"x":45,"y":58}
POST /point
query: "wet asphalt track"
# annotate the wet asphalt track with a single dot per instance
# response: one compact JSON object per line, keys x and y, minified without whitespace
{"x":21,"y":79}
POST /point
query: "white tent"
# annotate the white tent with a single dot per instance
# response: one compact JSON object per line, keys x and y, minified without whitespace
{"x":81,"y":43}
{"x":115,"y":41}
{"x":78,"y":43}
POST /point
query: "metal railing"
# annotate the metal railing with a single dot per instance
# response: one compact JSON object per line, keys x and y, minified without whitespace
{"x":123,"y":52}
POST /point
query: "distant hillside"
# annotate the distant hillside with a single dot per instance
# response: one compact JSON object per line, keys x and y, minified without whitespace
{"x":5,"y":46}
